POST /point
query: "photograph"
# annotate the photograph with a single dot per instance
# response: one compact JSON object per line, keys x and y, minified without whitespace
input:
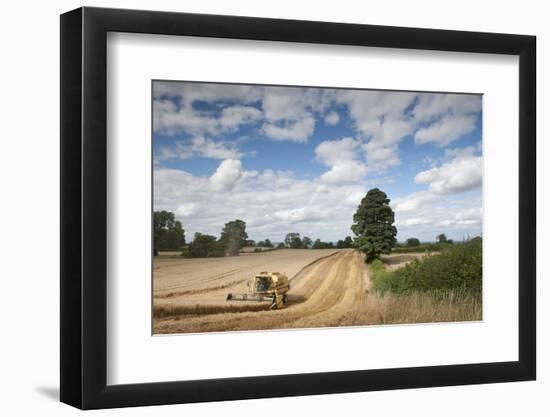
{"x":292,"y":207}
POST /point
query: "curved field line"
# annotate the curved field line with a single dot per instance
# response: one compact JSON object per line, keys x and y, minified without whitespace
{"x":177,"y":290}
{"x":326,"y":292}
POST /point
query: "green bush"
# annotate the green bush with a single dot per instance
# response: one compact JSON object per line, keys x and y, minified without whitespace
{"x":458,"y":266}
{"x":204,"y":246}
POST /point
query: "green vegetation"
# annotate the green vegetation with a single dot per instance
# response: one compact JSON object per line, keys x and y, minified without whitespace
{"x":233,"y":237}
{"x":203,"y":246}
{"x":306,"y":242}
{"x":293,"y":241}
{"x":412,"y":242}
{"x":318,"y":244}
{"x":441,"y":238}
{"x":346,"y":243}
{"x":422,"y":247}
{"x":373,"y":225}
{"x":458,"y":267}
{"x":168,"y":233}
{"x":265,"y":244}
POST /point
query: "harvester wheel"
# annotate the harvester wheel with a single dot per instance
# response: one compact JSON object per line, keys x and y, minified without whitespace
{"x":273,"y":306}
{"x":285,"y":299}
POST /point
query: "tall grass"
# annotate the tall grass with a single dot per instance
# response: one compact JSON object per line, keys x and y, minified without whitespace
{"x":423,"y":307}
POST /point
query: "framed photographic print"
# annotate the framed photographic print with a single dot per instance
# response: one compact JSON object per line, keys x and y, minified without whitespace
{"x":258,"y":207}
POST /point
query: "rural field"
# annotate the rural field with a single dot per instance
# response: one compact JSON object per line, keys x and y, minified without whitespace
{"x":268,"y":210}
{"x":328,"y":288}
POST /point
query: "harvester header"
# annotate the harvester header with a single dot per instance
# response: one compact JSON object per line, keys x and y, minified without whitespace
{"x":265,"y":287}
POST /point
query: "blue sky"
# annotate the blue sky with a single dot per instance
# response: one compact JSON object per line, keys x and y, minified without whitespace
{"x":296,"y":159}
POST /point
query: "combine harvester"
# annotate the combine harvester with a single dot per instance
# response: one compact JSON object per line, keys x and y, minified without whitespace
{"x":265,"y":287}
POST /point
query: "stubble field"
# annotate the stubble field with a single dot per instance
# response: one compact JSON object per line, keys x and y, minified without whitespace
{"x":329,"y":288}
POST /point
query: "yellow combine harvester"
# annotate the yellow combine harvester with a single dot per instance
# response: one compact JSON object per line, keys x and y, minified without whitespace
{"x":271,"y":287}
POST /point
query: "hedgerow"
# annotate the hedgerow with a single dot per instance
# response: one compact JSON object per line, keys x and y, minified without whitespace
{"x":457,"y":267}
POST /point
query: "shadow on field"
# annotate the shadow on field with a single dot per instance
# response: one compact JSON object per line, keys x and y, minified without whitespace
{"x":295,"y":299}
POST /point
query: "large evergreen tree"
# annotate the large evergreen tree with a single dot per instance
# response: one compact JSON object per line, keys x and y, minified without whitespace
{"x":373,"y":225}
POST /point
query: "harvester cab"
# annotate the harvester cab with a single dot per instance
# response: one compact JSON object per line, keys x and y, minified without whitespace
{"x":265,"y":287}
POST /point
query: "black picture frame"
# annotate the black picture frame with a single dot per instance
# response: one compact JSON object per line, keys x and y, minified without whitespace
{"x":84,"y":207}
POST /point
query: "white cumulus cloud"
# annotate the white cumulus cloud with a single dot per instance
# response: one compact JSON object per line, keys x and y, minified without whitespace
{"x":461,"y":173}
{"x":227,"y":174}
{"x":446,"y":130}
{"x":345,"y":172}
{"x":342,"y":157}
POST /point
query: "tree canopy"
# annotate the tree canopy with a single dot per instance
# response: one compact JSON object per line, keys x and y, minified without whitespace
{"x":233,"y":237}
{"x":374,"y":225}
{"x":318,"y":244}
{"x":346,"y":243}
{"x":204,"y":246}
{"x":306,"y":242}
{"x":412,"y":241}
{"x":293,"y":241}
{"x":441,"y":238}
{"x":168,"y":233}
{"x":265,"y":243}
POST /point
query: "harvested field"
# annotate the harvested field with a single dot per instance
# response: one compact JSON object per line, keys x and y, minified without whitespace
{"x":398,"y":260}
{"x":329,"y":288}
{"x":206,"y":281}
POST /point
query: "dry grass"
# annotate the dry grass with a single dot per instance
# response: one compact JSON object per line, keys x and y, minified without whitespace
{"x":422,"y":307}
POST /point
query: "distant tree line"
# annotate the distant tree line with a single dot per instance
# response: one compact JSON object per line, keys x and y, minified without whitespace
{"x":265,"y":244}
{"x":169,"y":235}
{"x":373,"y":226}
{"x":414,"y":242}
{"x":233,"y":237}
{"x":293,"y":241}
